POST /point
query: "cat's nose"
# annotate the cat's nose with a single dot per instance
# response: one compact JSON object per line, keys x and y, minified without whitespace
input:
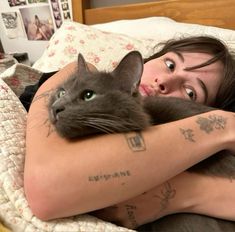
{"x":56,"y":110}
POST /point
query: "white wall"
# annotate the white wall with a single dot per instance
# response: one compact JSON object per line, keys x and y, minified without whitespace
{"x":33,"y":48}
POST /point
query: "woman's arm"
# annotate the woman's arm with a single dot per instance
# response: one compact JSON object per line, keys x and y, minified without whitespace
{"x":184,"y":193}
{"x":64,"y":178}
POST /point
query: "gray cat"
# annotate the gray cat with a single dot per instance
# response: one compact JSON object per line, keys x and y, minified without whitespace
{"x":89,"y":103}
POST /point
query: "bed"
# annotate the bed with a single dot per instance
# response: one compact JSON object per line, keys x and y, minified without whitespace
{"x":104,"y":35}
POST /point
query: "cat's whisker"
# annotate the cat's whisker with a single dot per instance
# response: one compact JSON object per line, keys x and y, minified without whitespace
{"x":87,"y":122}
{"x":99,"y":127}
{"x":114,"y":125}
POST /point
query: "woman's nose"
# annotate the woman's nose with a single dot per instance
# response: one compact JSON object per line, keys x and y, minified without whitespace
{"x":163,"y":86}
{"x":167,"y":84}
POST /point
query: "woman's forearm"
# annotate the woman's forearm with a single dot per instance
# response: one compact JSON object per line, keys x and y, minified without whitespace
{"x":185,"y":193}
{"x":65,"y":178}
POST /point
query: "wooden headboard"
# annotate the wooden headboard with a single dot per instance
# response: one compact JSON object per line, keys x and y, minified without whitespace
{"x":219,"y":13}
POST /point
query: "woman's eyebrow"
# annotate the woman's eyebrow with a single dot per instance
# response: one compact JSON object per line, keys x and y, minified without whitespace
{"x":201,"y":83}
{"x":204,"y":88}
{"x":179,"y":55}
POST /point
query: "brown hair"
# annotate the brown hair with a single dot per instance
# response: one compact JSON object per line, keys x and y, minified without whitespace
{"x":205,"y":44}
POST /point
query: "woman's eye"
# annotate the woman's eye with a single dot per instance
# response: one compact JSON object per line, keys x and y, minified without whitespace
{"x":61,"y":93}
{"x":192,"y":95}
{"x":88,"y":95}
{"x":170,"y":65}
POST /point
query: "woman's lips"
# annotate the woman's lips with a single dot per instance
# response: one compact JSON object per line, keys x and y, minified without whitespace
{"x":146,"y":90}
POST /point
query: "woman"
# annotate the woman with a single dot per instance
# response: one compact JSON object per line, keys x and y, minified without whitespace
{"x":57,"y":172}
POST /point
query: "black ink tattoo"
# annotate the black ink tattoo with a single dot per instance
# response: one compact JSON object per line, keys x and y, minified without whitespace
{"x":106,"y":177}
{"x":47,"y":122}
{"x":188,"y":134}
{"x":135,"y":141}
{"x":211,"y":123}
{"x":130,"y":209}
{"x":167,"y":193}
{"x":51,"y":129}
{"x":44,"y":95}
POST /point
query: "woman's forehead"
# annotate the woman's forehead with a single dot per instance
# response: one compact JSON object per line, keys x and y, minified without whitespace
{"x":197,"y":56}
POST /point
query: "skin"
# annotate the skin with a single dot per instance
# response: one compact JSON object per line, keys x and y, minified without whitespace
{"x":166,"y":76}
{"x":72,"y":167}
{"x":185,"y":193}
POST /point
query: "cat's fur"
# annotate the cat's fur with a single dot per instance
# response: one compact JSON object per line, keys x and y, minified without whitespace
{"x":109,"y":102}
{"x":118,"y":107}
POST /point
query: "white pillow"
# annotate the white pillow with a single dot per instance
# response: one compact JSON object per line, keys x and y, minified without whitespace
{"x":162,"y":28}
{"x":103,"y":45}
{"x":102,"y":49}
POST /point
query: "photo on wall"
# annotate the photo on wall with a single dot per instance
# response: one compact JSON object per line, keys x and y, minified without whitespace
{"x":38,"y":22}
{"x":16,"y":2}
{"x":65,"y":5}
{"x":38,"y":1}
{"x":12,"y":24}
{"x":56,"y":13}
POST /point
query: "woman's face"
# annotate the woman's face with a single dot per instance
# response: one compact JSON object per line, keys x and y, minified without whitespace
{"x":166,"y":76}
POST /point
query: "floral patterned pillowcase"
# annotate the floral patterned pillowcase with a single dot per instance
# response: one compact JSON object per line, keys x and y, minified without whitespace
{"x":102,"y":49}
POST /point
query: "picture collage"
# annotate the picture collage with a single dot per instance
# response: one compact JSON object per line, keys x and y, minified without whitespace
{"x":36,"y":19}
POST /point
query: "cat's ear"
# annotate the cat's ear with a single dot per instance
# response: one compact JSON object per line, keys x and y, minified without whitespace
{"x":130,"y":70}
{"x":82,"y":65}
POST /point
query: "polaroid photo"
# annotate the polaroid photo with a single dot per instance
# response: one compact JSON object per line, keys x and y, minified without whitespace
{"x":38,"y":22}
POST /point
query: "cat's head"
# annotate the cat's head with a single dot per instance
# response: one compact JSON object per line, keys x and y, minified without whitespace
{"x":90,"y":102}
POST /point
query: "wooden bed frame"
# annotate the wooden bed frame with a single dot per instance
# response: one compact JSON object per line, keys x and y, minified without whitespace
{"x":219,"y":13}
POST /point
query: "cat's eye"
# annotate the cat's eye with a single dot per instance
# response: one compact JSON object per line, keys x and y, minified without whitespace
{"x":170,"y":65}
{"x":88,"y":95}
{"x":61,"y":93}
{"x":191,"y":93}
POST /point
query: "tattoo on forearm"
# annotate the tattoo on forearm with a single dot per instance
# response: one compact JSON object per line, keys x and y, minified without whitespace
{"x":130,"y":209}
{"x":207,"y":124}
{"x":135,"y":141}
{"x":106,"y":177}
{"x":211,"y":123}
{"x":44,"y":95}
{"x":188,"y":134}
{"x":51,"y":129}
{"x":167,"y":193}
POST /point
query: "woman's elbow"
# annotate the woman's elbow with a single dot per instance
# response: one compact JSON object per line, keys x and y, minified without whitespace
{"x":47,"y":198}
{"x":38,"y":197}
